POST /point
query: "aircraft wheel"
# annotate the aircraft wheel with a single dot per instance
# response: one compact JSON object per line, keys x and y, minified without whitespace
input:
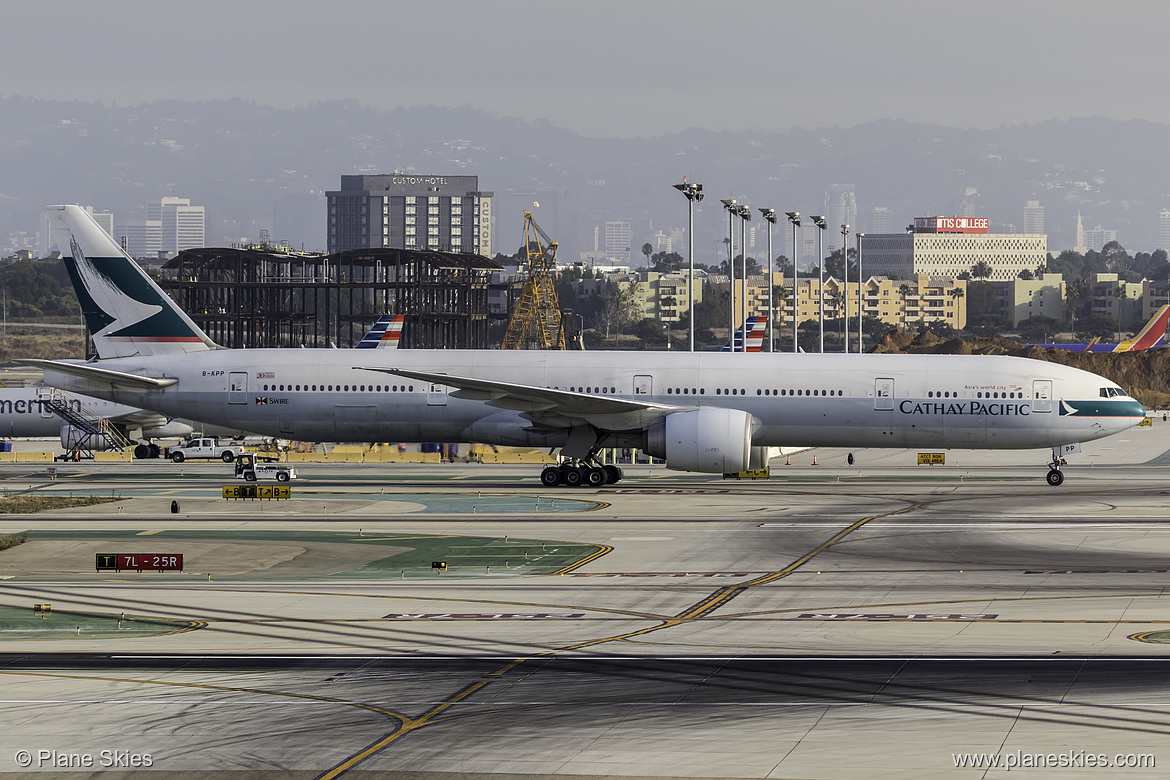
{"x":613,"y":475}
{"x":154,"y":449}
{"x":573,"y":476}
{"x":141,"y":451}
{"x":596,"y":477}
{"x":1055,"y":477}
{"x":177,"y":457}
{"x":550,"y":477}
{"x":228,"y":457}
{"x":282,"y":476}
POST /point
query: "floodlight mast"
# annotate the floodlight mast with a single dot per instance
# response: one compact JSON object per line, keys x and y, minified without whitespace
{"x":845,"y":259}
{"x":745,"y":214}
{"x":694,"y":194}
{"x":819,"y":221}
{"x":794,"y":218}
{"x":770,"y":215}
{"x":732,"y":209}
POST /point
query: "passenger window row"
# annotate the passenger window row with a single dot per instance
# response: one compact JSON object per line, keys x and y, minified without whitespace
{"x":339,"y":388}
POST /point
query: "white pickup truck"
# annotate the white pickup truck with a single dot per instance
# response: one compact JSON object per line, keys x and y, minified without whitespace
{"x":206,"y":449}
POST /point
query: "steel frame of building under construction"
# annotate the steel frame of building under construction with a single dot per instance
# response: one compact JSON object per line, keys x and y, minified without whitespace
{"x":265,"y":297}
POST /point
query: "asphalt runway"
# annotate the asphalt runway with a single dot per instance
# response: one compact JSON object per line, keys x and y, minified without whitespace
{"x":888,"y":619}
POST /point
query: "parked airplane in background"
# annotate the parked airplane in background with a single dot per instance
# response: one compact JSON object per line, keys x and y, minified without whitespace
{"x":38,"y":412}
{"x":1150,"y":336}
{"x":756,"y":327}
{"x":27,"y":412}
{"x":704,"y":412}
{"x":385,"y":334}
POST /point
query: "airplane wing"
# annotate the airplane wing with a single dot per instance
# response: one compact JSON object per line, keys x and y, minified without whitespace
{"x":600,"y":410}
{"x":117,"y":380}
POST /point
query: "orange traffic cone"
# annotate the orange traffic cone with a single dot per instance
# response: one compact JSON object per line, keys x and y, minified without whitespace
{"x":814,"y":460}
{"x":789,"y":461}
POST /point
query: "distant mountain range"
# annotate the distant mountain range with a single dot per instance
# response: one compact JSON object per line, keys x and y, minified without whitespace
{"x":238,"y":158}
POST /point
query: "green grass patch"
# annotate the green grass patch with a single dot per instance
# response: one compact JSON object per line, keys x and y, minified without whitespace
{"x":467,"y":556}
{"x":31,"y":504}
{"x":18,"y":624}
{"x":11,"y":540}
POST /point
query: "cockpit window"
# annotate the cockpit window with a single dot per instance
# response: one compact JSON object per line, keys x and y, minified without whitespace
{"x":1111,"y":392}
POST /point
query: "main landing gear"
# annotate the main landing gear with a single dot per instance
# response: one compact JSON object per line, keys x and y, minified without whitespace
{"x":577,"y":473}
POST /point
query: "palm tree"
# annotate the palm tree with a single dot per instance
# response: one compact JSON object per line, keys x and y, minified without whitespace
{"x":956,"y":293}
{"x":981,"y":270}
{"x":904,"y":290}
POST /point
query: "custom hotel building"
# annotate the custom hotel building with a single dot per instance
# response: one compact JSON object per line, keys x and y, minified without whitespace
{"x":399,"y":211}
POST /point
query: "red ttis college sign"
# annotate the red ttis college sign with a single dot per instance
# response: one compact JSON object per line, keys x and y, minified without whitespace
{"x":952,"y":225}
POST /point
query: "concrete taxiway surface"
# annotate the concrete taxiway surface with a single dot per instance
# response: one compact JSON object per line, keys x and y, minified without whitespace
{"x":833,"y":620}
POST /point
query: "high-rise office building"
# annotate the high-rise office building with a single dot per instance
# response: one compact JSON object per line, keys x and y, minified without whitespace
{"x":181,"y":225}
{"x":142,"y":237}
{"x":840,"y":209}
{"x":881,"y":220}
{"x":1033,"y":221}
{"x":1162,"y":232}
{"x":399,"y":211}
{"x":617,"y":241}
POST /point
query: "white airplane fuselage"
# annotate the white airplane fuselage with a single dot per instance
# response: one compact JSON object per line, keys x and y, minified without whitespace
{"x":803,"y":400}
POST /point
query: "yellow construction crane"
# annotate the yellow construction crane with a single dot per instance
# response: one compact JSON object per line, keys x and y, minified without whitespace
{"x":536,"y":321}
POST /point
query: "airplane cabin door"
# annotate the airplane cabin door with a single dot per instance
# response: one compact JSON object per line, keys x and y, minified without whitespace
{"x":1042,"y":396}
{"x":238,"y":387}
{"x":436,"y":395}
{"x":883,"y":394}
{"x":643,"y":384}
{"x":43,"y":394}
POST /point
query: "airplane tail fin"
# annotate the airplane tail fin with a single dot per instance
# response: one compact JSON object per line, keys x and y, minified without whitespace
{"x":1151,"y":335}
{"x":755,"y":328}
{"x":126,"y":312}
{"x":385,"y":334}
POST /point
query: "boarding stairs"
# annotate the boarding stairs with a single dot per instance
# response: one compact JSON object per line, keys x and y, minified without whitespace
{"x":90,"y":427}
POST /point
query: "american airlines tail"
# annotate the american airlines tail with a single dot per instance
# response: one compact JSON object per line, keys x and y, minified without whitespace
{"x":385,"y":334}
{"x":755,"y":328}
{"x":127,"y":313}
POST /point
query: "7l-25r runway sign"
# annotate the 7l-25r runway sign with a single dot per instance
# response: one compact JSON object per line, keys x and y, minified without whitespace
{"x":139,"y":562}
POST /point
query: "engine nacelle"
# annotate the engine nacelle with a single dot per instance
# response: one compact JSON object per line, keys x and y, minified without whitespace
{"x":73,"y":438}
{"x":713,"y":441}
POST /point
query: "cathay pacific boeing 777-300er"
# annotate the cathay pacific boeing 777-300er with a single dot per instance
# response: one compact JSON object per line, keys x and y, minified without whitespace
{"x":704,"y":412}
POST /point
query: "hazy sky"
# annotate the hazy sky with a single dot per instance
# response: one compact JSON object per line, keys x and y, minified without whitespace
{"x":624,"y":69}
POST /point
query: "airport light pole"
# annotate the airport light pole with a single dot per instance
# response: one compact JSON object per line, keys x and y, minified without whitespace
{"x":860,"y":297}
{"x":694,"y":193}
{"x":819,"y":221}
{"x":770,"y":215}
{"x":732,"y":209}
{"x":745,"y":214}
{"x":794,"y":218}
{"x":845,"y":257}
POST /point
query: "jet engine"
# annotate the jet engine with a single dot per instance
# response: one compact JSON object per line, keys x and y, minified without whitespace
{"x":714,"y":441}
{"x":73,"y":437}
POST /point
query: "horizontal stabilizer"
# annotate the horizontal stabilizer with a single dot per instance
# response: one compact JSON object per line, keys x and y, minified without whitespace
{"x":116,"y":380}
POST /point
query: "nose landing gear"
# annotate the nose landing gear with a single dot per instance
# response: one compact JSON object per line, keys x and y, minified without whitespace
{"x":1055,"y":478}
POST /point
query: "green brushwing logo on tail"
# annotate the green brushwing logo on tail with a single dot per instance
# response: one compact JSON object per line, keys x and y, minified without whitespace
{"x":112,"y":280}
